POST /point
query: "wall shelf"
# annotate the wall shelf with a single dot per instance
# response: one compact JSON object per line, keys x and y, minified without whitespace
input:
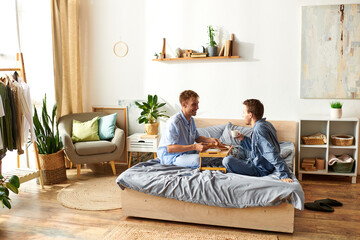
{"x":190,"y":58}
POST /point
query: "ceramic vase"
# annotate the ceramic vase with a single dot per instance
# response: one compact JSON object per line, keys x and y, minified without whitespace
{"x":335,"y":113}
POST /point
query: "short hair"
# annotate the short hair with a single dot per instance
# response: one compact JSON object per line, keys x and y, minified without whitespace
{"x":187,"y":94}
{"x":255,"y":107}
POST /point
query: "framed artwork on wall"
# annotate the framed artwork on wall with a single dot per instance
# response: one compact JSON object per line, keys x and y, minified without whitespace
{"x":330,"y":52}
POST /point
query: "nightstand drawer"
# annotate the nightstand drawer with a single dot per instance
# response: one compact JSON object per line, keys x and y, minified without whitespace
{"x":136,"y":144}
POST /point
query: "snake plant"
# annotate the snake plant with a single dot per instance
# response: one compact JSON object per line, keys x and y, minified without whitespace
{"x":47,"y":134}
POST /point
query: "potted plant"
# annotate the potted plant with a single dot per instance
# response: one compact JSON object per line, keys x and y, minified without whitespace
{"x":13,"y":183}
{"x":336,"y":109}
{"x":150,"y":113}
{"x":212,"y":49}
{"x":50,"y":147}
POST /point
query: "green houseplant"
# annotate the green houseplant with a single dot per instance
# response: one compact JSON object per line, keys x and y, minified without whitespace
{"x":13,"y":183}
{"x":50,"y":147}
{"x":150,"y":113}
{"x":336,"y":109}
{"x":212,"y":49}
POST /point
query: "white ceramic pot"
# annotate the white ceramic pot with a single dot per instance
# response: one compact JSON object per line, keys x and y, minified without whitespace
{"x":335,"y":113}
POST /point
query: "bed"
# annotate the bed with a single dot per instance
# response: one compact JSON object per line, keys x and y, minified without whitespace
{"x":272,"y":213}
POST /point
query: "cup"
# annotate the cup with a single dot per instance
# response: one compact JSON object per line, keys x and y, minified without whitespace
{"x":235,"y":133}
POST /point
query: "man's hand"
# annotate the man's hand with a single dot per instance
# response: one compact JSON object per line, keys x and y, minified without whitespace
{"x":215,"y":141}
{"x":287,"y":180}
{"x":240,"y":137}
{"x":200,"y":147}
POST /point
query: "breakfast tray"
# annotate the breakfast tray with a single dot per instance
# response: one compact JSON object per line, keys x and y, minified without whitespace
{"x":214,"y":153}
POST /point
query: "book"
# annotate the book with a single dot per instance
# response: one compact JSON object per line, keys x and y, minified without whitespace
{"x":202,"y":55}
{"x":221,"y":53}
{"x":227,"y":48}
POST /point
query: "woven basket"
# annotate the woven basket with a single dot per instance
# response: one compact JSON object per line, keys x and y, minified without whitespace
{"x":343,"y":167}
{"x":313,"y":140}
{"x":53,"y":167}
{"x":342,"y":140}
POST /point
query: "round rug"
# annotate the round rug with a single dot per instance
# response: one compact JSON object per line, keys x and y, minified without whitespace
{"x":94,"y":194}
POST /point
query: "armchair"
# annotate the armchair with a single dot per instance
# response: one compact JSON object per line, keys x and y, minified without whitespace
{"x":92,"y":151}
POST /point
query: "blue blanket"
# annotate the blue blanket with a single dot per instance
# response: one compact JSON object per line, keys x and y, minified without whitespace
{"x":213,"y":188}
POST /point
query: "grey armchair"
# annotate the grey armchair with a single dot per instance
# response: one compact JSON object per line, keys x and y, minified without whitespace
{"x":92,"y":151}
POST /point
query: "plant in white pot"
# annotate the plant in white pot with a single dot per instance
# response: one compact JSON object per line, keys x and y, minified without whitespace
{"x":336,"y":110}
{"x":150,"y":113}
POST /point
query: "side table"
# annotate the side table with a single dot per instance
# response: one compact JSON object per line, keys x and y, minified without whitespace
{"x":137,"y":144}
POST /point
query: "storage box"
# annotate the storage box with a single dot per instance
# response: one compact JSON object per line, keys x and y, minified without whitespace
{"x":342,"y":140}
{"x":343,"y":167}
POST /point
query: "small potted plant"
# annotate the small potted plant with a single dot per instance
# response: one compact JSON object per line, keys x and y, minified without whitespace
{"x":212,"y":49}
{"x":150,"y":113}
{"x":336,"y":109}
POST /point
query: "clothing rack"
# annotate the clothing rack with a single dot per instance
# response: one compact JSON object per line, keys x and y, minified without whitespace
{"x":24,"y":174}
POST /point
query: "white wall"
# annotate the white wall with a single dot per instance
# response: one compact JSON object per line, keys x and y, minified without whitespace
{"x":267,"y":34}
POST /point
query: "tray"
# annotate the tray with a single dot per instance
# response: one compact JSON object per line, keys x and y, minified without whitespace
{"x":214,"y":154}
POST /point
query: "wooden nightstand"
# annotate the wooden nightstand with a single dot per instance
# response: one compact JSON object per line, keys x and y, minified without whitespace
{"x":137,"y":144}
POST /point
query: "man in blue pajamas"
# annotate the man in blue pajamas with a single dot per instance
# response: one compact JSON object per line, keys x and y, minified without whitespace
{"x":177,"y":145}
{"x":263,"y":144}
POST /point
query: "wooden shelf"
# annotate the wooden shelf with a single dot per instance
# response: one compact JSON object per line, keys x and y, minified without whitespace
{"x":190,"y":58}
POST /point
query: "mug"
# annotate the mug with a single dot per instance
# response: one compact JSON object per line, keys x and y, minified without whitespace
{"x":235,"y":133}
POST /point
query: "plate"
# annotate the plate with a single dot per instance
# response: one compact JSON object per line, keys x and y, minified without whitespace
{"x":213,"y":150}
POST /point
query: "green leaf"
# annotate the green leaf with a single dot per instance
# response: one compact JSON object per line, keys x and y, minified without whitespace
{"x":150,"y":99}
{"x":4,"y":190}
{"x":1,"y":176}
{"x":161,"y":105}
{"x":6,"y":203}
{"x":14,"y":180}
{"x":154,"y":115}
{"x":155,"y":99}
{"x":12,"y":188}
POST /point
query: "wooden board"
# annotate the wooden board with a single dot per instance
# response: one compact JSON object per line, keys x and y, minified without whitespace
{"x":121,"y":122}
{"x":137,"y":204}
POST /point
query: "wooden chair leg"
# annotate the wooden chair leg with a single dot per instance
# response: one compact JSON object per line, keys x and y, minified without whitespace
{"x":112,"y":163}
{"x":71,"y":165}
{"x":129,"y":160}
{"x":78,"y":167}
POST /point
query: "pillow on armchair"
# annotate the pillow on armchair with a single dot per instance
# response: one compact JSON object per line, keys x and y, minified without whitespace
{"x":107,"y":126}
{"x":85,"y":131}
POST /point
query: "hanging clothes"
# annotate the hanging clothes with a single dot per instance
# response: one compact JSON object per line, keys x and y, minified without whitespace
{"x":2,"y":114}
{"x":15,"y":89}
{"x":6,"y":122}
{"x":25,"y":101}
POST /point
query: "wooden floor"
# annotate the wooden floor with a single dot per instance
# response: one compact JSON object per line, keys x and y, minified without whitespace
{"x":36,"y":214}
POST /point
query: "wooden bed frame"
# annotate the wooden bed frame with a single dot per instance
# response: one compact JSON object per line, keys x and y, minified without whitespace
{"x":279,"y":218}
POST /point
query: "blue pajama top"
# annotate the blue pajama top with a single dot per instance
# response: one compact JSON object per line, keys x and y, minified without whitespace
{"x":177,"y":131}
{"x":265,"y":149}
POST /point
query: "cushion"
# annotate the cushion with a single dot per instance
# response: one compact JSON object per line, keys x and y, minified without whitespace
{"x":107,"y":126}
{"x":212,"y":131}
{"x":226,"y":135}
{"x":94,"y":147}
{"x":85,"y":131}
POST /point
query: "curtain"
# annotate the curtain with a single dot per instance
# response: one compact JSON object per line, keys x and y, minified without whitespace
{"x":66,"y":51}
